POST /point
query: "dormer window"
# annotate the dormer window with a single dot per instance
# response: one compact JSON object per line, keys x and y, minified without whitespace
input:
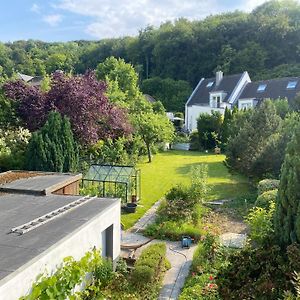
{"x":210,"y":84}
{"x":291,"y":85}
{"x":261,"y":87}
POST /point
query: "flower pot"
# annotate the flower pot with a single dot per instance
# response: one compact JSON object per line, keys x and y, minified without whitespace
{"x":130,"y":207}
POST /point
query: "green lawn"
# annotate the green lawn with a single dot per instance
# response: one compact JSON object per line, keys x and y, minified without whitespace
{"x":171,"y":168}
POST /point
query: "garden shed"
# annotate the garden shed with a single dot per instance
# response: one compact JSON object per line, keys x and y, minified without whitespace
{"x":113,"y":181}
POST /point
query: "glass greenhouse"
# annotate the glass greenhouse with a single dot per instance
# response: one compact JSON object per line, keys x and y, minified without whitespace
{"x":113,"y":181}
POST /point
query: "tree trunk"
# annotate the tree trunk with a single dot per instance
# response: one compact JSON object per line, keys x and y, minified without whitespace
{"x":149,"y":153}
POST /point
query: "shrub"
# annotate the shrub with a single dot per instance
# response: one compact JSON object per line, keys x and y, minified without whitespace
{"x":199,"y":188}
{"x":13,"y":145}
{"x":194,"y":141}
{"x":265,"y":199}
{"x":267,"y":185}
{"x":142,"y":275}
{"x":179,"y":205}
{"x":61,"y":284}
{"x":261,"y":273}
{"x":103,"y":272}
{"x":172,"y":230}
{"x":150,"y":264}
{"x":260,"y":221}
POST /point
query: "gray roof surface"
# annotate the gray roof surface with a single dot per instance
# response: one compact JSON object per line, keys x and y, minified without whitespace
{"x":40,"y":185}
{"x":227,"y":84}
{"x":276,"y":88}
{"x":15,"y":210}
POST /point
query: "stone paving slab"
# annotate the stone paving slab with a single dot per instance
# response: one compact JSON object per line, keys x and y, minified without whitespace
{"x":233,"y":240}
{"x":146,"y":219}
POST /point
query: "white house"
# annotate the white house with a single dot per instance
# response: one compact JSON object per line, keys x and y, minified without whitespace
{"x":255,"y":92}
{"x":215,"y":94}
{"x":41,"y":224}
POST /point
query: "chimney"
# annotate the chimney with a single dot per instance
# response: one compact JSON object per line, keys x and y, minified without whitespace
{"x":219,"y":77}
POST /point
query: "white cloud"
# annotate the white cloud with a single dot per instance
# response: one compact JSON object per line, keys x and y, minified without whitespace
{"x":52,"y":20}
{"x":113,"y":18}
{"x":35,"y":8}
{"x":249,"y":5}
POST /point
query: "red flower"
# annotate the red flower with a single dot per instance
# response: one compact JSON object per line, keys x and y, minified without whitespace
{"x":211,"y":278}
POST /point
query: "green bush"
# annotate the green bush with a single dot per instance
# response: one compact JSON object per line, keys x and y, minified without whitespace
{"x":103,"y":272}
{"x":142,"y":275}
{"x":267,"y":185}
{"x":172,"y":230}
{"x":150,"y":264}
{"x":194,"y":141}
{"x":13,"y":146}
{"x":260,"y":221}
{"x":262,"y":273}
{"x":265,"y":199}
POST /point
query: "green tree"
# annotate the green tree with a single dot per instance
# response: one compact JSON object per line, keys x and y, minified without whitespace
{"x":287,"y":216}
{"x":172,"y":93}
{"x":153,"y":128}
{"x":53,"y":148}
{"x":225,"y":128}
{"x":209,"y":129}
{"x":244,"y":148}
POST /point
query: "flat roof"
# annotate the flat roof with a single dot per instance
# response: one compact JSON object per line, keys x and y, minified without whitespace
{"x":42,"y":184}
{"x":15,"y":210}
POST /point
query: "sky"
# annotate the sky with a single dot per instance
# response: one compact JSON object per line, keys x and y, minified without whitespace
{"x":66,"y":20}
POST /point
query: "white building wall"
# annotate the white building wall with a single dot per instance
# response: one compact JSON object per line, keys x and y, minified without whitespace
{"x":246,"y":103}
{"x":193,"y":112}
{"x":76,"y":245}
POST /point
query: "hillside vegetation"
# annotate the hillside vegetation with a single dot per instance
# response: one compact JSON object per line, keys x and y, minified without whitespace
{"x":264,"y":42}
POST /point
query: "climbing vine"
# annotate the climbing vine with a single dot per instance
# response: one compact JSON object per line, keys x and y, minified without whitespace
{"x":61,"y":284}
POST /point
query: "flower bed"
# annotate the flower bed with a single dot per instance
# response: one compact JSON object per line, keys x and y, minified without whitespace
{"x":208,"y":258}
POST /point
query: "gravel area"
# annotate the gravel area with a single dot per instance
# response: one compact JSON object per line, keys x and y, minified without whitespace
{"x":8,"y":177}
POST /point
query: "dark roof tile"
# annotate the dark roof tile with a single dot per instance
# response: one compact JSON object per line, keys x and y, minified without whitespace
{"x":227,"y":85}
{"x":275,"y":88}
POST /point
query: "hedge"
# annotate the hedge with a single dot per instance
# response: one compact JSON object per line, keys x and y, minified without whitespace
{"x":264,"y":199}
{"x":267,"y":185}
{"x":150,"y":264}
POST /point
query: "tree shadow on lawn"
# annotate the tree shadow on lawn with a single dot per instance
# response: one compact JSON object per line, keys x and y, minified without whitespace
{"x":216,"y":169}
{"x":227,"y":190}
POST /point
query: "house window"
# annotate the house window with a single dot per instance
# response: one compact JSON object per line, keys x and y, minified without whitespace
{"x":291,"y":84}
{"x":261,"y":87}
{"x":210,"y":84}
{"x":246,"y":105}
{"x":218,"y":102}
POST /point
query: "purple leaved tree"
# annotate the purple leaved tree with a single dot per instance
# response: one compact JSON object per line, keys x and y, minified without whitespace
{"x":81,"y":98}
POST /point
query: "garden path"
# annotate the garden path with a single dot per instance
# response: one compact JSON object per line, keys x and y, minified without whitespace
{"x":179,"y":258}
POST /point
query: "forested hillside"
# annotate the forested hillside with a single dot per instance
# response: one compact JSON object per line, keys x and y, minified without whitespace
{"x":265,"y":42}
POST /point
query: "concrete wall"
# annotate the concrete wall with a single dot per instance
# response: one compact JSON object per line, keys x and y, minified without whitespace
{"x":75,"y":244}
